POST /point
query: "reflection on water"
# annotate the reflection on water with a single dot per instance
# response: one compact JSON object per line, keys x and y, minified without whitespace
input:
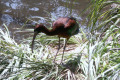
{"x":7,"y":19}
{"x":14,"y":13}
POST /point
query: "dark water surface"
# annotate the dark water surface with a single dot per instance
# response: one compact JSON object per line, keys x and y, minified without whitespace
{"x":14,"y":13}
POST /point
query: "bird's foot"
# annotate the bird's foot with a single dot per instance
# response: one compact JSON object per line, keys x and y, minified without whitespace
{"x":54,"y":62}
{"x":61,"y":63}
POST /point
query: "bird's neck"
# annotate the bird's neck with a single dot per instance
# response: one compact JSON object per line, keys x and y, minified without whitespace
{"x":49,"y":32}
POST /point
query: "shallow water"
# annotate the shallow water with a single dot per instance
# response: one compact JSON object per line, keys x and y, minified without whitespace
{"x":14,"y":13}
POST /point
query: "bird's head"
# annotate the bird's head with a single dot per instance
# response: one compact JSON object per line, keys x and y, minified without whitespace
{"x":38,"y":28}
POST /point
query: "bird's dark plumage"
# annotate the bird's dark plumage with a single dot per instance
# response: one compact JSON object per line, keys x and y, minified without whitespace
{"x":63,"y":27}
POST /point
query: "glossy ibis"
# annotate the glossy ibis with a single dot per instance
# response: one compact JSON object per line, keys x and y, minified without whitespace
{"x":63,"y":27}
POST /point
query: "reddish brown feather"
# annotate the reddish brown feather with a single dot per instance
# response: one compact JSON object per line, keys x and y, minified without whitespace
{"x":63,"y":27}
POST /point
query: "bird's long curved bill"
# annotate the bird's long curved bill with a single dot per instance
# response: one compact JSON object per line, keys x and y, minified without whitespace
{"x":35,"y":34}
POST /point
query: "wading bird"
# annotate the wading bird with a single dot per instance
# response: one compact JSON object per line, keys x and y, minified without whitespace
{"x":63,"y":27}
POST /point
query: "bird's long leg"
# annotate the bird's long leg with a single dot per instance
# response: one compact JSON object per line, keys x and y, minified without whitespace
{"x":64,"y":49}
{"x":57,"y":50}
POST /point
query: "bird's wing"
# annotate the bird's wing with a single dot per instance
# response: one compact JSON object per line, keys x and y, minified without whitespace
{"x":72,"y":27}
{"x":70,"y":23}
